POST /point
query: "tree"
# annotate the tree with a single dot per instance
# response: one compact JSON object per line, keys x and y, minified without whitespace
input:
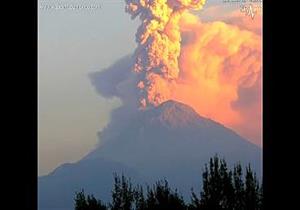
{"x":122,"y":194}
{"x":195,"y":202}
{"x":261,"y":197}
{"x":238,"y":183}
{"x":139,"y":199}
{"x":252,"y":191}
{"x":80,"y":201}
{"x":161,"y":196}
{"x":227,"y":189}
{"x":218,"y":191}
{"x":94,"y":204}
{"x":222,"y":189}
{"x":88,"y":203}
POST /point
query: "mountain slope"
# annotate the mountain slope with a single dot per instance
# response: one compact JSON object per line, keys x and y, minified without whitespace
{"x":171,"y":133}
{"x":169,"y":141}
{"x":57,"y":190}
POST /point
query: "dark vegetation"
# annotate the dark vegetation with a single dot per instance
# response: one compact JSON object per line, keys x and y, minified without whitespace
{"x":222,"y":189}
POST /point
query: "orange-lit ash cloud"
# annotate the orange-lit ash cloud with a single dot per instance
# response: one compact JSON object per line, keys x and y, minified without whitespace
{"x":215,"y":67}
{"x":158,"y":40}
{"x":220,"y":74}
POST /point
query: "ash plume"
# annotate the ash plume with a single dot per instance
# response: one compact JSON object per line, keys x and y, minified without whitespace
{"x":214,"y":67}
{"x":158,"y":40}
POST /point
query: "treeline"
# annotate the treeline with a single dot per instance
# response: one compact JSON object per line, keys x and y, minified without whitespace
{"x":222,"y":189}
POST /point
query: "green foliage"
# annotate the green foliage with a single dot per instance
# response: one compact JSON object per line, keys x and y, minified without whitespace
{"x":223,"y":189}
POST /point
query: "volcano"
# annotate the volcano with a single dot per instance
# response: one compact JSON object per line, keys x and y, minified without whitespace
{"x":170,"y":141}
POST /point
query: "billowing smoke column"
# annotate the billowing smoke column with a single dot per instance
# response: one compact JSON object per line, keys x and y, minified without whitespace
{"x":213,"y":66}
{"x":158,"y":41}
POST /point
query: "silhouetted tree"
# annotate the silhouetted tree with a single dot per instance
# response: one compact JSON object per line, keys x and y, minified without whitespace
{"x":222,"y":189}
{"x":139,"y":198}
{"x":239,"y":193}
{"x":80,"y":201}
{"x":88,"y":203}
{"x":122,"y":194}
{"x":261,"y":197}
{"x":252,"y":191}
{"x":94,"y":204}
{"x":218,"y":191}
{"x":195,"y":202}
{"x":161,"y":196}
{"x":227,"y":192}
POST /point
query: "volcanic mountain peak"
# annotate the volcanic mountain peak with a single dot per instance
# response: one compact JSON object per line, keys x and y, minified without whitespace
{"x":176,"y":107}
{"x":174,"y":114}
{"x":169,"y":141}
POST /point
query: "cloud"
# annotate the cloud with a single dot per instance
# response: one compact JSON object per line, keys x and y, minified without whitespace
{"x":245,"y":22}
{"x":218,"y":73}
{"x":117,"y":81}
{"x":231,"y":14}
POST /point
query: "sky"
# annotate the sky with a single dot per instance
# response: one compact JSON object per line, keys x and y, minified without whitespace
{"x":72,"y":44}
